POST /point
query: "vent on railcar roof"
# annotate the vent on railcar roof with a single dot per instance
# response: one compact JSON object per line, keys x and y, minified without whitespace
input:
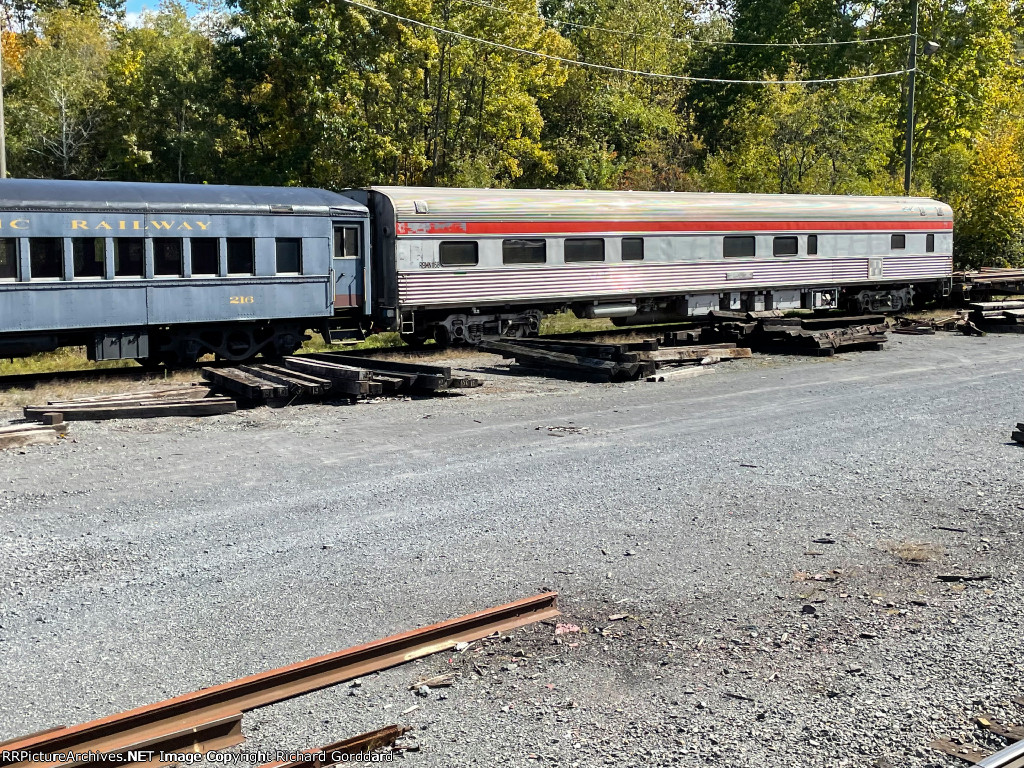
{"x":274,"y":208}
{"x":421,"y":206}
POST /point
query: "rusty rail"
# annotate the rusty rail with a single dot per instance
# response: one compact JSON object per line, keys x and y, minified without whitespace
{"x":211,"y":718}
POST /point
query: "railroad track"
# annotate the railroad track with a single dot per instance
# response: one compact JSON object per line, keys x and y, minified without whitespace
{"x":211,"y":718}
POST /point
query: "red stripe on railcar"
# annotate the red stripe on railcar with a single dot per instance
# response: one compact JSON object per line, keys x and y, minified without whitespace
{"x":766,"y":227}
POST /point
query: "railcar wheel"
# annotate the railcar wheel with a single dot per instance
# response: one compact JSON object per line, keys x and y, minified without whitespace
{"x":442,"y":338}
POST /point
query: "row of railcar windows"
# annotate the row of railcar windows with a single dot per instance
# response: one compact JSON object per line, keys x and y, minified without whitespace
{"x":46,"y":257}
{"x":465,"y":253}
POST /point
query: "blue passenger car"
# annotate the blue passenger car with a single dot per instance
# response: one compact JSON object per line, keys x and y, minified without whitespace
{"x":169,"y":272}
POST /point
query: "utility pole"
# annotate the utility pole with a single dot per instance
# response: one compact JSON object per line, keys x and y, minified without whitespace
{"x":908,"y":142}
{"x":3,"y":123}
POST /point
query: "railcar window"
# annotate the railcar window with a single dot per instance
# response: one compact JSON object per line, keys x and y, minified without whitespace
{"x":524,"y":251}
{"x":167,"y":256}
{"x":583,"y":249}
{"x":46,"y":257}
{"x":459,"y":253}
{"x":240,"y":256}
{"x":346,"y":242}
{"x":89,"y":256}
{"x":785,"y":246}
{"x":898,"y":242}
{"x":739,"y":247}
{"x":632,"y":249}
{"x":205,"y":259}
{"x":929,"y":243}
{"x":8,"y":258}
{"x":812,"y":245}
{"x":129,"y":256}
{"x":289,"y":255}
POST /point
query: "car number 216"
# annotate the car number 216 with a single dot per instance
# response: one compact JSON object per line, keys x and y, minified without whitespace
{"x":242,"y":299}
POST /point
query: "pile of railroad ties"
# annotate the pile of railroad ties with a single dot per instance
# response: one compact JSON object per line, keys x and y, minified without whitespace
{"x":661,"y":353}
{"x":304,"y":379}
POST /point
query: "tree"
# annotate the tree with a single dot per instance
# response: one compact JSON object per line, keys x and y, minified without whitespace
{"x":162,"y":96}
{"x":56,"y":99}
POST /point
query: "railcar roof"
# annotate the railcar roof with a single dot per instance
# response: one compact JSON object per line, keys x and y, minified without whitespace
{"x":437,"y":203}
{"x":50,"y":194}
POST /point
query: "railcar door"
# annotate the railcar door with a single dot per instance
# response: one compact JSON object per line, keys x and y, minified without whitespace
{"x":347,"y":265}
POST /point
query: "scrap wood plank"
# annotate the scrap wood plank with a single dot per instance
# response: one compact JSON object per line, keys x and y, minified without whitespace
{"x":967,"y":753}
{"x":327,"y":370}
{"x":210,"y":406}
{"x":545,"y":359}
{"x":390,"y":384}
{"x":680,"y":354}
{"x":593,"y":349}
{"x":671,"y":374}
{"x":243,"y":384}
{"x":847,"y":321}
{"x":28,"y":435}
{"x":176,"y":393}
{"x":384,"y":366}
{"x":284,"y":378}
{"x":305,"y":379}
{"x":12,"y":428}
{"x":465,"y":382}
{"x":1011,"y":733}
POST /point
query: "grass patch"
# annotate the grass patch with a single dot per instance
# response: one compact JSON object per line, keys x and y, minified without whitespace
{"x":66,"y":359}
{"x":376,"y":341}
{"x":567,"y":322}
{"x":913,"y":552}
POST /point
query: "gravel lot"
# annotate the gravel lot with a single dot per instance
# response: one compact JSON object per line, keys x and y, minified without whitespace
{"x":772,"y":534}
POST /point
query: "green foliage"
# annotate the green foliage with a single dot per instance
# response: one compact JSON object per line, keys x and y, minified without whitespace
{"x":805,"y":139}
{"x":57,"y":98}
{"x":335,"y":95}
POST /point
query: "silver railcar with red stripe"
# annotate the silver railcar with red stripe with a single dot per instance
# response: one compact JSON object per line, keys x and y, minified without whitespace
{"x":461,"y":264}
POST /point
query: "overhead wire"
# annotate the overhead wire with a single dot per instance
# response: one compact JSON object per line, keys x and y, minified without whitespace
{"x":618,"y":70}
{"x":684,"y":40}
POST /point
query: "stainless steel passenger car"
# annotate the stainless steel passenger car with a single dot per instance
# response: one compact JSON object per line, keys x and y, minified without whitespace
{"x":458,"y":264}
{"x":167,"y":272}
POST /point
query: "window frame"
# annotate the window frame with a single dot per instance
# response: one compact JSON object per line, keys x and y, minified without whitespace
{"x":578,"y":241}
{"x":102,"y":260}
{"x":734,"y":239}
{"x":812,"y":245}
{"x":622,"y":249}
{"x":504,"y":255}
{"x":16,"y":263}
{"x":60,"y":261}
{"x":181,"y":257}
{"x":929,"y":243}
{"x":459,"y":243}
{"x":900,"y":238}
{"x":787,"y":238}
{"x":297,"y":242}
{"x":251,"y":255}
{"x":215,"y":241}
{"x":142,"y":259}
{"x":344,"y":229}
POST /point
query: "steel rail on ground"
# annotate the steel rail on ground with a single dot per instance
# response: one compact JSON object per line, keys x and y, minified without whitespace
{"x":211,"y":718}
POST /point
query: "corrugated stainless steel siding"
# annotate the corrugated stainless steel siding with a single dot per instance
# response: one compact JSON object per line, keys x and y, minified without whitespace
{"x":450,"y":287}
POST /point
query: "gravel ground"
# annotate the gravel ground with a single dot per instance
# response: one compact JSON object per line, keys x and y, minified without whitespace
{"x":768,"y":540}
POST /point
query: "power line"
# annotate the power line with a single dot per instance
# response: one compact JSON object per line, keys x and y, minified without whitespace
{"x":605,"y":68}
{"x":684,"y":40}
{"x":966,"y":95}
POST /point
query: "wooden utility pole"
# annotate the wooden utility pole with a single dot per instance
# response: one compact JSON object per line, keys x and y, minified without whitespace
{"x":908,"y":142}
